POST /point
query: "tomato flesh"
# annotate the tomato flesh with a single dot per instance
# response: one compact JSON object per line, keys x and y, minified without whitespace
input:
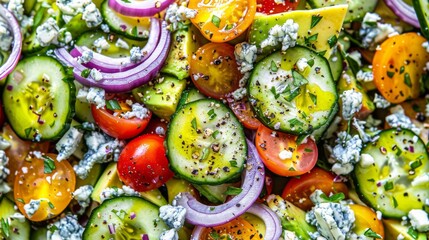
{"x":245,"y":114}
{"x":143,"y":164}
{"x":214,"y":70}
{"x":271,"y":7}
{"x":53,"y":189}
{"x":274,"y":148}
{"x":298,"y":191}
{"x":236,"y":229}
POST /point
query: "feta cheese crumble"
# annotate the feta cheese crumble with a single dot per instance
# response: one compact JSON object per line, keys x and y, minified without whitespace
{"x":137,"y":111}
{"x":176,"y":15}
{"x":4,"y":161}
{"x":66,"y":228}
{"x":364,"y":76}
{"x":398,"y":119}
{"x":286,"y":35}
{"x":90,"y":13}
{"x":86,"y":57}
{"x":419,"y":220}
{"x":6,"y":38}
{"x":32,"y":207}
{"x":245,"y":55}
{"x":173,"y":216}
{"x":47,"y":33}
{"x":302,"y":64}
{"x":380,"y":101}
{"x":101,"y":44}
{"x":122,"y":44}
{"x":68,"y":143}
{"x":346,"y":153}
{"x":82,"y":195}
{"x":95,"y":74}
{"x":113,"y":192}
{"x":16,"y":7}
{"x":92,"y":95}
{"x":373,"y":31}
{"x":136,"y":54}
{"x":351,"y":103}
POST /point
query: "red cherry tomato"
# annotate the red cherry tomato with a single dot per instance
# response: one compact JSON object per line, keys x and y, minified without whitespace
{"x":143,"y":164}
{"x":156,"y":126}
{"x":271,"y":7}
{"x":245,"y":114}
{"x":298,"y":191}
{"x":281,"y":153}
{"x":111,"y":122}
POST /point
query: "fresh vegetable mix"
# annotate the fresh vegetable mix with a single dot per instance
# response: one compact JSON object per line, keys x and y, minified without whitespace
{"x":241,"y":119}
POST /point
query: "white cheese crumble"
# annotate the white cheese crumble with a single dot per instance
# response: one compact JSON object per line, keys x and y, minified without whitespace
{"x":47,"y":33}
{"x":17,"y":8}
{"x":420,"y":180}
{"x":380,"y":101}
{"x":285,"y":154}
{"x":398,"y":119}
{"x":92,"y":95}
{"x":170,"y":234}
{"x":66,"y":228}
{"x":86,"y":57}
{"x":113,"y":192}
{"x":68,"y":143}
{"x":105,"y":28}
{"x":6,"y":38}
{"x":4,"y":161}
{"x":364,"y":76}
{"x":351,"y":103}
{"x":32,"y":207}
{"x":82,"y":195}
{"x":173,"y":216}
{"x":302,"y":64}
{"x":95,"y":74}
{"x":419,"y":220}
{"x":373,"y":31}
{"x":176,"y":14}
{"x":286,"y":35}
{"x":345,"y":153}
{"x":137,"y":111}
{"x":136,"y":54}
{"x":245,"y":55}
{"x":101,"y":44}
{"x":120,"y":43}
{"x":90,"y":13}
{"x":366,"y":160}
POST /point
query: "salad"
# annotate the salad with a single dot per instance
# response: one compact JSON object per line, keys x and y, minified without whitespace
{"x":196,"y":119}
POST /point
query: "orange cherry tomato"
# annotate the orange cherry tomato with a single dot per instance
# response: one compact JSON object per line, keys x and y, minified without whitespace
{"x":282,"y":155}
{"x":236,"y":229}
{"x":111,"y":122}
{"x":243,"y":111}
{"x":366,"y":219}
{"x":398,"y":67}
{"x":45,"y":180}
{"x":298,"y":191}
{"x":223,"y":20}
{"x":18,"y":151}
{"x":272,"y":7}
{"x":214,"y":70}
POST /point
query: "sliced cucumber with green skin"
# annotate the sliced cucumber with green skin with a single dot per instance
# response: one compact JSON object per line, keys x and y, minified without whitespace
{"x":87,"y":39}
{"x":320,"y":132}
{"x":422,"y":10}
{"x":127,"y":218}
{"x":289,"y":100}
{"x":17,"y":229}
{"x":356,"y":11}
{"x":39,"y":99}
{"x":215,"y":194}
{"x":190,"y":95}
{"x":395,"y":183}
{"x":206,"y":143}
{"x":132,"y":27}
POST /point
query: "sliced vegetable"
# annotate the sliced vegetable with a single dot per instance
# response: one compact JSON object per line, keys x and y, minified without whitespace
{"x":356,"y":9}
{"x":222,"y":21}
{"x":422,"y":10}
{"x":244,"y":112}
{"x":273,"y":6}
{"x":39,"y":99}
{"x":406,"y":12}
{"x":366,"y":222}
{"x":135,"y":8}
{"x":8,"y":66}
{"x":253,"y":180}
{"x":11,"y":226}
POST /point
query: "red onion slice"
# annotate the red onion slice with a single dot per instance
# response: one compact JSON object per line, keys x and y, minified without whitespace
{"x":13,"y":58}
{"x":142,"y":8}
{"x":208,"y":216}
{"x":273,"y":228}
{"x":127,"y":80}
{"x":113,"y":65}
{"x":404,"y":11}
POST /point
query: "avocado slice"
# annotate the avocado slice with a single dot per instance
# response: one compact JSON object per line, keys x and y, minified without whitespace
{"x":184,"y":44}
{"x":392,"y":229}
{"x":176,"y":186}
{"x":321,"y":33}
{"x":292,"y":217}
{"x":110,"y":178}
{"x":161,"y":96}
{"x":15,"y":229}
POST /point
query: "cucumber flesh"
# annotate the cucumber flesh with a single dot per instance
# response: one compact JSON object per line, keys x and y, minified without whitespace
{"x":206,"y":143}
{"x":356,"y":10}
{"x":118,"y":213}
{"x":18,"y":229}
{"x":39,"y":99}
{"x":395,"y":183}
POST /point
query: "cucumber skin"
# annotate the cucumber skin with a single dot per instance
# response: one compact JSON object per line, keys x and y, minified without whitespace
{"x":422,"y":16}
{"x":71,"y":103}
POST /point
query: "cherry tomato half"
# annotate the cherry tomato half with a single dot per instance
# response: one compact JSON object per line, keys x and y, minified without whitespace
{"x":143,"y":164}
{"x":245,"y":114}
{"x":272,"y":7}
{"x":366,"y":219}
{"x":298,"y":191}
{"x":45,"y":180}
{"x":214,"y":70}
{"x":236,"y":229}
{"x":398,"y":66}
{"x":111,"y":122}
{"x":282,"y":155}
{"x":223,"y":20}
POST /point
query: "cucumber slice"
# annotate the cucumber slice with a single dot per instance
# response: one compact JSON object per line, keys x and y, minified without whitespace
{"x":395,"y":183}
{"x":17,"y":229}
{"x":215,"y":194}
{"x":190,"y":95}
{"x":39,"y":99}
{"x":288,"y":100}
{"x":206,"y":143}
{"x":356,"y":10}
{"x":422,"y":10}
{"x":132,"y":27}
{"x":117,"y":214}
{"x":320,"y":132}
